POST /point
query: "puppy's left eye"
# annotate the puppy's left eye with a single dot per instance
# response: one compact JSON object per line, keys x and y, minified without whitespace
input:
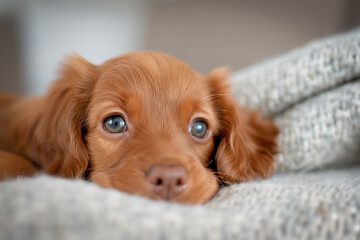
{"x":198,"y":129}
{"x":114,"y":124}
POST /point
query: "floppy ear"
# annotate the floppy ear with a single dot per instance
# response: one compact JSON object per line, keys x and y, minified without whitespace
{"x":246,"y":142}
{"x":63,"y":120}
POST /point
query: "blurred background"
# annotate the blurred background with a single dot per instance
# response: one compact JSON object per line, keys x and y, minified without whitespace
{"x":35,"y":35}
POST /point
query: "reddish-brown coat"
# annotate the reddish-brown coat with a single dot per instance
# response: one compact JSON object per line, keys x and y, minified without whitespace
{"x":158,"y":95}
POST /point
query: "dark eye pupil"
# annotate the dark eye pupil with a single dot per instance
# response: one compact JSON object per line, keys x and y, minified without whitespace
{"x":114,"y":124}
{"x":198,"y":129}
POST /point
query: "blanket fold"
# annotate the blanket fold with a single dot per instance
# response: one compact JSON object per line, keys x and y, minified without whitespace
{"x":314,"y":95}
{"x":277,"y":84}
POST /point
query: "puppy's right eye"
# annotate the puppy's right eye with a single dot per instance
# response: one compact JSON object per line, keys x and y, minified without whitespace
{"x":198,"y":129}
{"x":114,"y":124}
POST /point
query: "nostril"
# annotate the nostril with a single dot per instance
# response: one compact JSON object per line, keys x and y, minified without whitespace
{"x":158,"y":182}
{"x":180,"y":182}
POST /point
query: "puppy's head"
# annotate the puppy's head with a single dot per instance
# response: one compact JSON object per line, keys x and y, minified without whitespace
{"x":153,"y":126}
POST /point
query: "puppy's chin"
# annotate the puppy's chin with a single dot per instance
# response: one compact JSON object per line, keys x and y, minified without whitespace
{"x":199,"y":189}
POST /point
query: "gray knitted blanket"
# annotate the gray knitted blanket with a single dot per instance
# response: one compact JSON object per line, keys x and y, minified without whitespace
{"x":314,"y":95}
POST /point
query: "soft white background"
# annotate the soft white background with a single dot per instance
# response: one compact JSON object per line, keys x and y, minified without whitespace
{"x":35,"y":35}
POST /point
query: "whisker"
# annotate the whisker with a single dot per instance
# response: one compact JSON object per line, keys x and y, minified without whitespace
{"x":220,"y":182}
{"x":223,"y":173}
{"x":211,"y":161}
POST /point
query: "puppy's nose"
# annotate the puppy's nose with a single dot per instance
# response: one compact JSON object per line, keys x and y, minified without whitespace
{"x":167,"y":181}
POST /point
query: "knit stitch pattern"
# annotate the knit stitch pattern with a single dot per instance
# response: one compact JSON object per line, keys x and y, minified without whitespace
{"x":314,"y":95}
{"x":315,"y":205}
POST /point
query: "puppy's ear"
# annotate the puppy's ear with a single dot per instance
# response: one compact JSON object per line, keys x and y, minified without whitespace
{"x":246,"y":142}
{"x":64,"y":115}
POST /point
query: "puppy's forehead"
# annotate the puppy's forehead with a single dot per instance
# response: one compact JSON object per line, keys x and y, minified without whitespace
{"x":151,"y":78}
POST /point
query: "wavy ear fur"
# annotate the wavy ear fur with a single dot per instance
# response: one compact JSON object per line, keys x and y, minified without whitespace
{"x":246,"y":141}
{"x":63,"y":118}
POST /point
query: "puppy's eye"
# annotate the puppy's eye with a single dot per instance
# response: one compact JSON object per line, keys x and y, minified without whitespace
{"x":114,"y":124}
{"x":198,"y":129}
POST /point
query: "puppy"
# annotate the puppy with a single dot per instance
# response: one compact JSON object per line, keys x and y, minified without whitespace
{"x":143,"y":123}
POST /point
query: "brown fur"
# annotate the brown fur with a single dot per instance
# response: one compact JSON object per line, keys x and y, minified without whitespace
{"x":62,"y":134}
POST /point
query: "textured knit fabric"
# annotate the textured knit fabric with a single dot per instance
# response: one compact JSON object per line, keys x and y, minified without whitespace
{"x":319,"y":205}
{"x":322,"y":131}
{"x":278,"y":84}
{"x":313,"y":93}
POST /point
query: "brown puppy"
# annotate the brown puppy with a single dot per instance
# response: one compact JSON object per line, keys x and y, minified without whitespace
{"x":144,"y":123}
